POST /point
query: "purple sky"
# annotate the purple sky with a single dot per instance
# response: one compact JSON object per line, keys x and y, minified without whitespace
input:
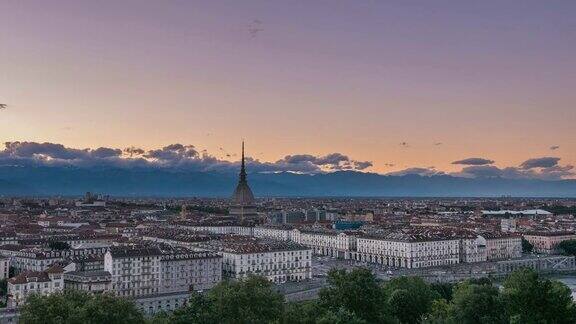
{"x":487,"y":79}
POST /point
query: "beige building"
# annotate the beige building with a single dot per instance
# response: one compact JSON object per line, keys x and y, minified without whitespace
{"x":546,"y":242}
{"x":502,"y":246}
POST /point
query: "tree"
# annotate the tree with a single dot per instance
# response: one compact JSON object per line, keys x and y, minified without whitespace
{"x":342,"y":316}
{"x":59,"y":245}
{"x":79,"y":307}
{"x":357,"y":292}
{"x":107,"y":308}
{"x":409,"y":298}
{"x":530,"y":299}
{"x":527,"y":247}
{"x":198,"y":310}
{"x":3,"y":287}
{"x":305,"y":312}
{"x":439,"y":313}
{"x":247,"y":301}
{"x":445,"y":290}
{"x":567,"y":247}
{"x":477,"y":303}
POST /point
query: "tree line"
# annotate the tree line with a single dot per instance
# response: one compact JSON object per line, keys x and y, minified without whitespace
{"x":355,"y":297}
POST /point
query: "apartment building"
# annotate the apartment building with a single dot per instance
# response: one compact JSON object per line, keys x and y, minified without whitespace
{"x":135,"y":270}
{"x":34,"y":282}
{"x":278,"y":261}
{"x":326,"y":242}
{"x":95,"y":281}
{"x":183,"y":270}
{"x":408,"y":250}
{"x":547,"y":242}
{"x":502,"y":246}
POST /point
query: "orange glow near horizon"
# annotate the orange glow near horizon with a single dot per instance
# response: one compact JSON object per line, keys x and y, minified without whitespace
{"x":359,"y":81}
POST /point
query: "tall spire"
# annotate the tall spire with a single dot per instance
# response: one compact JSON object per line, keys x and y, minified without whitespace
{"x":243,"y":167}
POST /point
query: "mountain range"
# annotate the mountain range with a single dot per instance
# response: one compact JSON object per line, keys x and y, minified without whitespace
{"x":71,"y":181}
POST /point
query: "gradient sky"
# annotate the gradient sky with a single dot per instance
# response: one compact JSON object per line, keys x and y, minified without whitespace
{"x":491,"y":79}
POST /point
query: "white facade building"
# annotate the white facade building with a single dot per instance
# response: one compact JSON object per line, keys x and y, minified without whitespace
{"x":408,"y":251}
{"x":330,"y":243}
{"x":275,"y":233}
{"x":187,"y":271}
{"x":135,"y":270}
{"x":278,"y":261}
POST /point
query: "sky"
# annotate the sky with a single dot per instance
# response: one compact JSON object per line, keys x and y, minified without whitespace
{"x":401,"y":84}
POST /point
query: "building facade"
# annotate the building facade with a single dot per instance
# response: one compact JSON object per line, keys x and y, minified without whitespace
{"x":547,"y":242}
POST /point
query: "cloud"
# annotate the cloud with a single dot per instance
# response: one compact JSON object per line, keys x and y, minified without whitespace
{"x":331,"y":162}
{"x":554,"y":147}
{"x":105,"y":152}
{"x":543,"y":162}
{"x":474,"y":161}
{"x":404,"y":144}
{"x":362,"y":165}
{"x":539,"y":168}
{"x":175,"y":156}
{"x":480,"y":171}
{"x":134,"y":151}
{"x":425,"y":172}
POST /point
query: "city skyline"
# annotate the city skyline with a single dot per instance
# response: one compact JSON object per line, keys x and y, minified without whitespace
{"x":398,"y":85}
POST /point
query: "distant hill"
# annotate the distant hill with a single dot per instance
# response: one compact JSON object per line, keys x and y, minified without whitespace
{"x":162,"y":182}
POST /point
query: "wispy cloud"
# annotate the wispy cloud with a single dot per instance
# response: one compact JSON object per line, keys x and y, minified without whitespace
{"x":474,"y":161}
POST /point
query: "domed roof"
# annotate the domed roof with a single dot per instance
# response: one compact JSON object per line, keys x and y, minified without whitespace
{"x":243,"y":195}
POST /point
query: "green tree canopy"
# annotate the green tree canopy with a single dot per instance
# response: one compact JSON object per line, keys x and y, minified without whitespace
{"x":527,"y":247}
{"x":342,"y":316}
{"x":444,"y":289}
{"x":530,"y":299}
{"x":477,"y":303}
{"x":356,"y":291}
{"x":247,"y":301}
{"x":409,"y":298}
{"x":79,"y":307}
{"x":567,"y":247}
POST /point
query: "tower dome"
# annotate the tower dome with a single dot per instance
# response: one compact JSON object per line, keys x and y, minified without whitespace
{"x":243,"y":205}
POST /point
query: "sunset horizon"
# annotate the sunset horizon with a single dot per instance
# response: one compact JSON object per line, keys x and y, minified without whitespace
{"x":402,"y":86}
